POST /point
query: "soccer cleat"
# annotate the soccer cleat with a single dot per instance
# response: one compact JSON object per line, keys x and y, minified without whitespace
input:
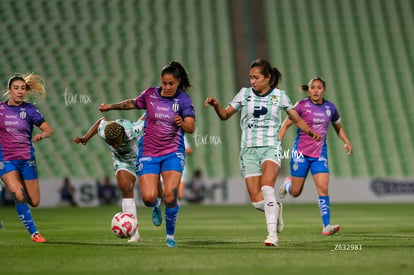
{"x":156,"y":215}
{"x":38,"y":238}
{"x":135,"y":238}
{"x":280,"y":223}
{"x":331,"y":229}
{"x":271,"y":241}
{"x":282,"y":189}
{"x":171,"y":242}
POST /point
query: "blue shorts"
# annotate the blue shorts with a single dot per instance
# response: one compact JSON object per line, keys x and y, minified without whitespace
{"x":26,"y":168}
{"x":156,"y":165}
{"x":299,"y":167}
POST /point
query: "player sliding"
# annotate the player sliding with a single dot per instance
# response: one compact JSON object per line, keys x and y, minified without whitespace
{"x":122,"y":137}
{"x":261,"y":107}
{"x":170,"y":114}
{"x":318,"y":113}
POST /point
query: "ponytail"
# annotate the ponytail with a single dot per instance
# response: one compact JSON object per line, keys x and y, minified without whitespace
{"x":267,"y":69}
{"x":35,"y":85}
{"x":178,"y":71}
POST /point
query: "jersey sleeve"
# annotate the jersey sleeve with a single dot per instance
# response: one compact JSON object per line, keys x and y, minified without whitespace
{"x":236,"y":103}
{"x":101,"y":128}
{"x":335,"y":116}
{"x":187,"y":108}
{"x":285,"y":103}
{"x":140,"y":100}
{"x":36,"y":117}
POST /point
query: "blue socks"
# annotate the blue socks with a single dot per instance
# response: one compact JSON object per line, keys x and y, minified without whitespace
{"x":325,"y":210}
{"x":170,"y":219}
{"x":25,"y":215}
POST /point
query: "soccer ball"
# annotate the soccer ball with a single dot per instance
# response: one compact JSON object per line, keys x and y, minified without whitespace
{"x":124,"y":225}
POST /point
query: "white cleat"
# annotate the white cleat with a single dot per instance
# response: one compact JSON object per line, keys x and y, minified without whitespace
{"x":282,"y":189}
{"x":271,"y":241}
{"x":135,"y":238}
{"x":280,"y":223}
{"x":331,"y":229}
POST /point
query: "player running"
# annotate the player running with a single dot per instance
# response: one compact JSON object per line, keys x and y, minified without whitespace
{"x":122,"y":137}
{"x":18,"y":168}
{"x":313,"y":156}
{"x":261,"y":110}
{"x":170,"y":114}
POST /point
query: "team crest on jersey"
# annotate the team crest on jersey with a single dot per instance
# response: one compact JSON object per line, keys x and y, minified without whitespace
{"x":23,"y":114}
{"x":274,"y":100}
{"x":176,"y":106}
{"x":328,"y":111}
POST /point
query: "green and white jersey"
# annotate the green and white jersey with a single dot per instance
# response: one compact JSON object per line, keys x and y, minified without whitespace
{"x":128,"y":149}
{"x":261,"y":116}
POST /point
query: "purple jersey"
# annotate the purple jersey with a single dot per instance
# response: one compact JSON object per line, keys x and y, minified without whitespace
{"x":161,"y":135}
{"x":318,"y":117}
{"x":16,"y":128}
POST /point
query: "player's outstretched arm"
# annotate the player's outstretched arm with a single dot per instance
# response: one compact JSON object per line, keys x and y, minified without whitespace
{"x":222,"y":113}
{"x":301,"y":124}
{"x":123,"y":105}
{"x":91,"y":132}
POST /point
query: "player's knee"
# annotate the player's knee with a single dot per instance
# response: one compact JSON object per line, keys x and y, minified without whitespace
{"x":34,"y":203}
{"x":20,"y":196}
{"x":148,"y":203}
{"x":294,"y":193}
{"x":171,"y":201}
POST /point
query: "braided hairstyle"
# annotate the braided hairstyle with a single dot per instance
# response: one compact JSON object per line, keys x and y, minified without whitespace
{"x":113,"y":130}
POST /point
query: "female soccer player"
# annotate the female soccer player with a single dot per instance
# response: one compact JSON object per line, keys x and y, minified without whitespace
{"x":170,"y":114}
{"x":122,"y":137}
{"x":17,"y":155}
{"x":260,"y":107}
{"x":318,"y":113}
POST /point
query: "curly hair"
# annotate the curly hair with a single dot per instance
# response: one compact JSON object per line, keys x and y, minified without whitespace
{"x":113,"y":130}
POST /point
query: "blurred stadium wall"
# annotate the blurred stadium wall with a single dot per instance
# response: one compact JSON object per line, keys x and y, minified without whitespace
{"x":94,"y":51}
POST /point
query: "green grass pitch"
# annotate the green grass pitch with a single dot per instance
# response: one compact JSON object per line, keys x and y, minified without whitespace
{"x":374,"y":239}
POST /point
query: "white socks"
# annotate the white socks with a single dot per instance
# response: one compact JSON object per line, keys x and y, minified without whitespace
{"x":128,"y":205}
{"x":270,"y":208}
{"x":259,"y":205}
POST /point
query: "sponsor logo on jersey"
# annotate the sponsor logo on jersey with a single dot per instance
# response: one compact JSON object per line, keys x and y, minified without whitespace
{"x":259,"y":111}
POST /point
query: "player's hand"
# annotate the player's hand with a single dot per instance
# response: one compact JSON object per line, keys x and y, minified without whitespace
{"x":348,"y":149}
{"x":178,"y":120}
{"x":104,"y":107}
{"x":78,"y":140}
{"x":37,"y":137}
{"x":211,"y":101}
{"x":314,"y":136}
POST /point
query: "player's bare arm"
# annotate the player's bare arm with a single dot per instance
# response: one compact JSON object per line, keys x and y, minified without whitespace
{"x":187,"y":124}
{"x":342,"y":135}
{"x":91,"y":132}
{"x":47,"y":131}
{"x":222,"y":113}
{"x":301,"y":124}
{"x":127,"y":104}
{"x":285,"y":126}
